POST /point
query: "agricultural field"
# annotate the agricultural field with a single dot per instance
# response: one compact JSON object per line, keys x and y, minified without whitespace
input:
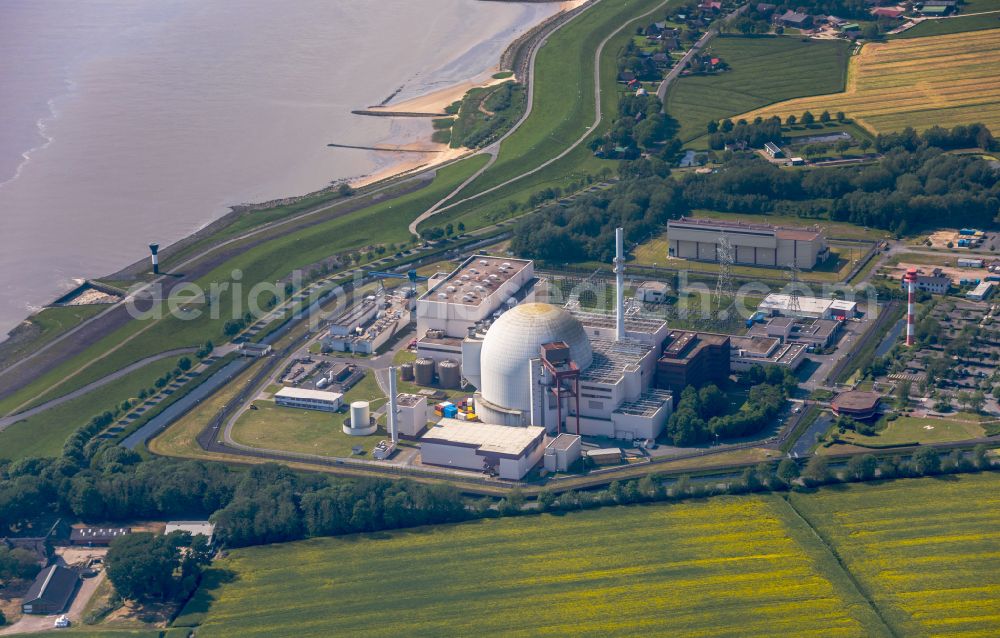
{"x":723,"y":567}
{"x":942,"y":80}
{"x":911,"y":557}
{"x":925,"y":549}
{"x":960,"y":24}
{"x":807,"y":68}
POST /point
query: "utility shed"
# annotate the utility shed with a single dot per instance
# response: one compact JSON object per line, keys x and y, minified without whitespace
{"x":51,"y":592}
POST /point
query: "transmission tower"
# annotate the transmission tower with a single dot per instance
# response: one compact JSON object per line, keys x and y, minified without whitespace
{"x":794,"y":307}
{"x":724,"y":287}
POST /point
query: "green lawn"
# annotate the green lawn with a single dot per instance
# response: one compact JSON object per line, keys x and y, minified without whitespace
{"x":45,"y":433}
{"x":47,"y":324}
{"x":924,"y":551}
{"x":304,"y":431}
{"x":960,"y":24}
{"x":763,"y":70}
{"x":908,"y":429}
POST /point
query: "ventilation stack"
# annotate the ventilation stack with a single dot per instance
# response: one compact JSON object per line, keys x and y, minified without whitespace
{"x":619,"y":284}
{"x":153,"y":248}
{"x":910,"y":278}
{"x":392,"y":423}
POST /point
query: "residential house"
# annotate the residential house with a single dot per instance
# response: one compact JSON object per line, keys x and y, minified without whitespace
{"x":795,"y":19}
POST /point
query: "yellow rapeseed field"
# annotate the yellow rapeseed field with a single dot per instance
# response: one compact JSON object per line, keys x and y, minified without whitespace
{"x":928,"y":550}
{"x":944,"y":80}
{"x":726,"y":567}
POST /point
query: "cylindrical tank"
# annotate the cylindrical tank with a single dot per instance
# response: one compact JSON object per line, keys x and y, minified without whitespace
{"x":360,"y":414}
{"x":449,"y":374}
{"x":406,"y":371}
{"x":423,"y":371}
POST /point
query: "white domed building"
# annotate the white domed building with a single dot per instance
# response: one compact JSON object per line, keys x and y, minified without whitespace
{"x":540,"y":364}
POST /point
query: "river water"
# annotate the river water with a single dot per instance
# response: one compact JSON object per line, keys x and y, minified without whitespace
{"x":131,"y":121}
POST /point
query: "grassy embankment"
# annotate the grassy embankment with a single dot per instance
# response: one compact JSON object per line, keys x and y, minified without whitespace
{"x":763,"y":70}
{"x":563,"y":110}
{"x":44,"y":326}
{"x":960,"y":24}
{"x":268,"y":262}
{"x":943,"y":80}
{"x":907,"y":430}
{"x":44,"y":433}
{"x":910,"y":557}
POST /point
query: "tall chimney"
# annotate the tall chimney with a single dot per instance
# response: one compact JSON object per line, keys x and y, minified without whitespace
{"x":619,"y":284}
{"x":393,"y":409}
{"x":153,"y":248}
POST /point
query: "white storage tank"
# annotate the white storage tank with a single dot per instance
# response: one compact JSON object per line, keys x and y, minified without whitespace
{"x":360,"y":422}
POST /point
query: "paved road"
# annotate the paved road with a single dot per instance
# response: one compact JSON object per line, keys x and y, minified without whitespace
{"x":114,"y":376}
{"x":675,"y":72}
{"x":438,"y":208}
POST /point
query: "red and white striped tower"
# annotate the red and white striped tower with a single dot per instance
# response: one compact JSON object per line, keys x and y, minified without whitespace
{"x":910,"y":279}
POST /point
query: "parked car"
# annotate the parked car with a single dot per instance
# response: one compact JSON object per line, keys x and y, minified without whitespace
{"x":62,"y":622}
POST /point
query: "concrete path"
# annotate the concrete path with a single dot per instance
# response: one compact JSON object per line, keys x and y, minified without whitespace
{"x":114,"y":376}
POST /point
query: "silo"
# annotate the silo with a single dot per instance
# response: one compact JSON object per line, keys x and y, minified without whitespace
{"x":423,"y":371}
{"x":361,"y":422}
{"x":449,"y":374}
{"x":406,"y":371}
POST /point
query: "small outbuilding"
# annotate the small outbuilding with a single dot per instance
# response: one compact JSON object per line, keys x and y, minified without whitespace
{"x":51,"y":592}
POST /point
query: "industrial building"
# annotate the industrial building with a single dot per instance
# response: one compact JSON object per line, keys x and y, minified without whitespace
{"x":411,"y":414}
{"x":368,"y":325}
{"x":91,"y":536}
{"x":780,"y":304}
{"x":304,"y":399}
{"x":819,"y":333}
{"x":693,"y":358}
{"x":51,"y":592}
{"x":543,"y":365}
{"x":752,"y":244}
{"x":856,"y":404}
{"x":981,"y":292}
{"x":652,"y":292}
{"x":507,"y":452}
{"x":562,"y":452}
{"x":748,"y":351}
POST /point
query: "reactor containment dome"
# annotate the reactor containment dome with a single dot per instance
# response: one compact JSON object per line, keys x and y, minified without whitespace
{"x":515,"y":339}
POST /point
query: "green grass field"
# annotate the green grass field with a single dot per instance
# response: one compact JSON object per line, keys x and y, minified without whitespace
{"x":907,"y":429}
{"x":806,"y":68}
{"x":48,"y":324}
{"x":924,"y":551}
{"x":45,"y":433}
{"x":960,"y":24}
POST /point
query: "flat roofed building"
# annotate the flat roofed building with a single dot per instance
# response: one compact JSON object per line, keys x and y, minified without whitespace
{"x":194,"y":528}
{"x":509,"y":451}
{"x":749,"y":351}
{"x":812,"y":307}
{"x":96,"y":535}
{"x":51,"y":592}
{"x":652,"y":291}
{"x":562,"y":452}
{"x":981,"y":292}
{"x":304,"y":399}
{"x":473,"y":292}
{"x":692,"y":358}
{"x":753,"y":244}
{"x":813,"y":332}
{"x":936,"y":283}
{"x":411,"y":415}
{"x":856,"y":404}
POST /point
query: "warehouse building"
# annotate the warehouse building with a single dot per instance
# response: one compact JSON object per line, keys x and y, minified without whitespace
{"x":753,"y":244}
{"x":51,"y":592}
{"x":693,"y":358}
{"x":304,"y":399}
{"x":367,"y":326}
{"x":780,"y":304}
{"x":507,"y":452}
{"x":981,"y":292}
